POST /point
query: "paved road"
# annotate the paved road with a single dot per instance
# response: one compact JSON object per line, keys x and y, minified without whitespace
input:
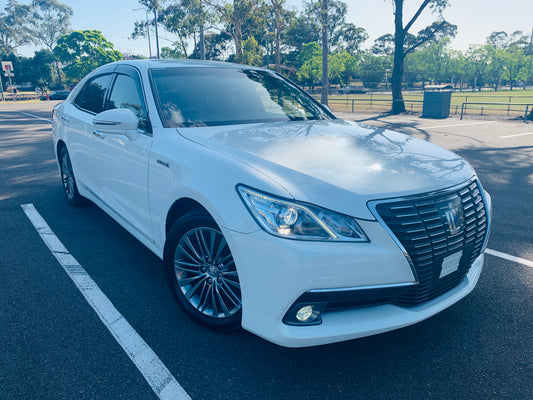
{"x":53,"y":346}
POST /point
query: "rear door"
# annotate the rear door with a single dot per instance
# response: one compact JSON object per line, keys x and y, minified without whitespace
{"x":76,"y":120}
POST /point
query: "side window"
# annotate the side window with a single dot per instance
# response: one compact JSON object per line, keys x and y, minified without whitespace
{"x":92,"y":96}
{"x":126,"y":94}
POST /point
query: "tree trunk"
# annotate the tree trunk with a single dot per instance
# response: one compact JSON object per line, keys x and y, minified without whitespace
{"x":277,"y":11}
{"x":325,"y":78}
{"x":238,"y":41}
{"x":278,"y":51}
{"x":60,"y":80}
{"x":202,"y":42}
{"x":398,"y":105}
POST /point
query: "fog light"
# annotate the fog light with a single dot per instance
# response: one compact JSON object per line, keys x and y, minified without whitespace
{"x":304,"y":314}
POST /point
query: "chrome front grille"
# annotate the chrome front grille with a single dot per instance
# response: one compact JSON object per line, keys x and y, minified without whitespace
{"x":432,"y":228}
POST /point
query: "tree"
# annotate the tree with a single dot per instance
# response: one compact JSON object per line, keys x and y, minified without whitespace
{"x":50,"y":20}
{"x":37,"y":70}
{"x":13,"y":28}
{"x":477,"y":63}
{"x":279,"y":24}
{"x":303,"y":29}
{"x":383,"y":45}
{"x":310,"y":60}
{"x":142,"y":28}
{"x":350,"y":37}
{"x":187,"y":19}
{"x":252,"y":54}
{"x":172,"y":52}
{"x":373,"y":68}
{"x":241,"y":19}
{"x":215,"y":44}
{"x":402,"y":47}
{"x":84,"y":51}
{"x":431,"y":62}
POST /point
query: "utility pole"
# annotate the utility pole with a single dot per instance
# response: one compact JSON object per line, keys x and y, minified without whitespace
{"x":325,"y":51}
{"x":147,"y":29}
{"x":202,"y":23}
{"x":156,"y":33}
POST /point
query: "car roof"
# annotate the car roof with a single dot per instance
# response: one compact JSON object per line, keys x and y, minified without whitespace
{"x":156,"y":64}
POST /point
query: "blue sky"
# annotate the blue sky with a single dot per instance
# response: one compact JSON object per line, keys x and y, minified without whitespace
{"x":476,"y":19}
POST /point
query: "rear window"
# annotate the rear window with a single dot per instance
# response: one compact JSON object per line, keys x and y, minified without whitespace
{"x":221,"y":96}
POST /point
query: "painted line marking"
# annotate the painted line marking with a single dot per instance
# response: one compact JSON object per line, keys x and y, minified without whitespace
{"x":519,"y":134}
{"x":165,"y":386}
{"x":509,"y":257}
{"x":36,"y":116}
{"x":452,"y":125}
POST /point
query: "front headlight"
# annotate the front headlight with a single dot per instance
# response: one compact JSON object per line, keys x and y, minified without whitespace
{"x":290,"y":219}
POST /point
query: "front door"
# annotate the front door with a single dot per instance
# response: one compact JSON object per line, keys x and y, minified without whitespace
{"x":121,"y":164}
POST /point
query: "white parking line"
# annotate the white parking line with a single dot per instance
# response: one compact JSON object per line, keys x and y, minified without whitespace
{"x":509,"y":257}
{"x":36,"y":116}
{"x":518,"y":134}
{"x":453,"y":125}
{"x":154,"y":371}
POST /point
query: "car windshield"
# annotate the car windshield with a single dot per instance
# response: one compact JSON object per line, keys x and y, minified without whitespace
{"x":211,"y":96}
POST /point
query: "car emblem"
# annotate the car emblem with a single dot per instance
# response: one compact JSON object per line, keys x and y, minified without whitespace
{"x":451,"y":209}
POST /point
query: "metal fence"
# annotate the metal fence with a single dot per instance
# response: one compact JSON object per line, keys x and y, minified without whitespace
{"x":517,"y":107}
{"x":8,"y":96}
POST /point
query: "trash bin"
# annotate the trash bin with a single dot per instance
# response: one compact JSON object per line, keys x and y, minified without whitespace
{"x":437,"y":99}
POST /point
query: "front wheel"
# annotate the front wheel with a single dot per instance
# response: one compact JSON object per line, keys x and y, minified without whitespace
{"x":201,"y":272}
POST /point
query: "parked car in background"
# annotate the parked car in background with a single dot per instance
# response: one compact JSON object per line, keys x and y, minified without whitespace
{"x":55,"y":95}
{"x":268,"y":212}
{"x":353,"y":89}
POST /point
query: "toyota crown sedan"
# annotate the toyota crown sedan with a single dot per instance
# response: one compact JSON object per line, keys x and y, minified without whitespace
{"x":268,"y":212}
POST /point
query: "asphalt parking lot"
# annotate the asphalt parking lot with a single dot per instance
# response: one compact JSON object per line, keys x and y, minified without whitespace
{"x":53,"y":345}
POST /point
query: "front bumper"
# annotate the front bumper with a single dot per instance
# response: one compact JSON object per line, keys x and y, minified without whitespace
{"x":275,"y":272}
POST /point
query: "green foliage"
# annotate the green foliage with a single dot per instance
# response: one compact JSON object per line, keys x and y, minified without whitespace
{"x":185,"y":18}
{"x":84,"y":51}
{"x":310,"y":60}
{"x":342,"y":66}
{"x":13,"y":28}
{"x":252,"y":53}
{"x":49,"y":21}
{"x":373,"y":69}
{"x":215,"y":45}
{"x":172,"y":52}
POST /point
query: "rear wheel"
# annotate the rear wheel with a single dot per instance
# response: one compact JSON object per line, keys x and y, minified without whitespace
{"x":69,"y":181}
{"x":201,"y":272}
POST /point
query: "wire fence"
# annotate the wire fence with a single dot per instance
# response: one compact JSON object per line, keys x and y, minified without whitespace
{"x":498,"y":106}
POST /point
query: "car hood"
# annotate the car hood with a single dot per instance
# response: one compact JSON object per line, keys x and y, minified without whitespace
{"x":335,"y":163}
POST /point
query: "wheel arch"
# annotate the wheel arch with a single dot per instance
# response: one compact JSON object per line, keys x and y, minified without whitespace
{"x":60,"y":146}
{"x":181,"y":207}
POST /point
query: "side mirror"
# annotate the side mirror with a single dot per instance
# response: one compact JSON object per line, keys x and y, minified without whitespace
{"x":118,"y":121}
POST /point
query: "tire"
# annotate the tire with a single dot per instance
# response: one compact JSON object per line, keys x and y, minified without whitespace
{"x":201,"y":272}
{"x":70,"y":188}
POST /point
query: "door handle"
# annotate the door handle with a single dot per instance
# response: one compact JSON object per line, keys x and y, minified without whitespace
{"x":65,"y":118}
{"x":98,"y":133}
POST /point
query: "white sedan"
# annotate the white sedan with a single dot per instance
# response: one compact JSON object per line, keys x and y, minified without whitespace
{"x":267,"y":211}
